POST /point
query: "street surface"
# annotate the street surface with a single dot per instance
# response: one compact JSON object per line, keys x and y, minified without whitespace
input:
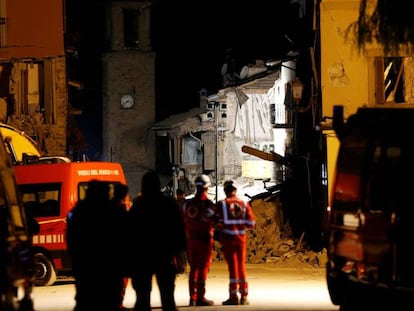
{"x":271,"y":287}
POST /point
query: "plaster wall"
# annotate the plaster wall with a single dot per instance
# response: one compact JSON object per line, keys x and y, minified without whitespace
{"x":344,"y":72}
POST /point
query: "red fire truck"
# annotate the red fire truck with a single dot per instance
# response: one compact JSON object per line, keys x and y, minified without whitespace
{"x":49,"y":188}
{"x":49,"y":191}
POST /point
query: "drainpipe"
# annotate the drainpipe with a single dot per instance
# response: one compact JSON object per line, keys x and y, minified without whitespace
{"x":216,"y":104}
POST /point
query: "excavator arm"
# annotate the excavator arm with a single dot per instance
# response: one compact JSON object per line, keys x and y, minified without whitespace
{"x":269,"y":156}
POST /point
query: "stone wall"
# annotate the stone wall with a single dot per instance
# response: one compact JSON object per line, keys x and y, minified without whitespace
{"x":50,"y":135}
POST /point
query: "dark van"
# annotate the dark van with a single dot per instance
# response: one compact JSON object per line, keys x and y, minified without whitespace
{"x":371,"y":218}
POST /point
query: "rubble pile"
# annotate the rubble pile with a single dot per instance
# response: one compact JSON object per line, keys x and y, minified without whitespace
{"x":271,"y":241}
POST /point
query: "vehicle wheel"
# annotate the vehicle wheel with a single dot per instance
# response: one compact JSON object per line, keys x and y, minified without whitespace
{"x":45,"y":273}
{"x":335,"y":287}
{"x":345,"y":307}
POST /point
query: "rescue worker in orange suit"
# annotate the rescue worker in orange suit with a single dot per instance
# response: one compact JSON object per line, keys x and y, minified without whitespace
{"x":235,"y":216}
{"x":199,"y":218}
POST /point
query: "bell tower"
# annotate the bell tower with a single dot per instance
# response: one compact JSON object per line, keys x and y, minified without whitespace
{"x":128,"y":81}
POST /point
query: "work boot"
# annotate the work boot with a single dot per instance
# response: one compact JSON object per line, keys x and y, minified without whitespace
{"x":204,"y":302}
{"x":231,"y":302}
{"x":244,"y":301}
{"x":201,"y":291}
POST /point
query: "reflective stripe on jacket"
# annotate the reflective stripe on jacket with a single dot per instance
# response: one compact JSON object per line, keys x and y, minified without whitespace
{"x":235,"y":216}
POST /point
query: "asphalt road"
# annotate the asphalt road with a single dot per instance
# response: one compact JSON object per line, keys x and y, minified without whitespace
{"x":271,"y":287}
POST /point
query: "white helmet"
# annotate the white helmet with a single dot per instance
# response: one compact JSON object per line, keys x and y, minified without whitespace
{"x":202,"y":180}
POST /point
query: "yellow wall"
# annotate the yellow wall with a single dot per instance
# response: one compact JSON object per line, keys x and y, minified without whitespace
{"x":344,"y":72}
{"x":345,"y":76}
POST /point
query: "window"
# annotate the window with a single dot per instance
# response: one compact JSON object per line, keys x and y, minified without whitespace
{"x":383,"y":171}
{"x":131,"y":38}
{"x":393,"y":79}
{"x":83,"y":187}
{"x":192,"y":151}
{"x":42,"y":200}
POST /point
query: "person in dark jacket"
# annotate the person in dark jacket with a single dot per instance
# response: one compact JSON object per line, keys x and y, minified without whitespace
{"x":119,"y":207}
{"x":180,"y":197}
{"x":92,"y":237}
{"x":157,"y":230}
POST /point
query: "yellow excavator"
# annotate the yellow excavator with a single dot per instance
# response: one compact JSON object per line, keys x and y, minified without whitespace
{"x":18,"y":144}
{"x":16,"y":255}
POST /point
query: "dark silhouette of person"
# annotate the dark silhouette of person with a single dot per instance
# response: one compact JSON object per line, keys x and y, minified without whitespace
{"x":33,"y":228}
{"x":9,"y":251}
{"x":199,"y":218}
{"x":120,"y":208}
{"x":4,"y":255}
{"x":157,"y":231}
{"x":33,"y":225}
{"x":180,"y":197}
{"x":92,"y":236}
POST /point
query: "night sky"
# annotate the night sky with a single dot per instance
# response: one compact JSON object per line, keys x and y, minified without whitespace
{"x":192,"y":40}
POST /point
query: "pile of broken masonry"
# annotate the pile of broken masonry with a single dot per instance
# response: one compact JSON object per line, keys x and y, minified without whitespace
{"x":271,"y":241}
